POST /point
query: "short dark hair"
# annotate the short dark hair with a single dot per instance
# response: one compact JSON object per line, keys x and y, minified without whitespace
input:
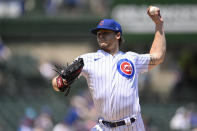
{"x":121,"y":40}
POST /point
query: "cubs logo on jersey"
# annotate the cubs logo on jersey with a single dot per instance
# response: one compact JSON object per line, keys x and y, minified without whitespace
{"x":125,"y":68}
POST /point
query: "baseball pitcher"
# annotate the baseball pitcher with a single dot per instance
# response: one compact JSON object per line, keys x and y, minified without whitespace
{"x":112,"y":75}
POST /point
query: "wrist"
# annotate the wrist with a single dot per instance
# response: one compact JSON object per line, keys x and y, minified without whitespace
{"x":159,"y":25}
{"x":54,"y":84}
{"x":160,"y":28}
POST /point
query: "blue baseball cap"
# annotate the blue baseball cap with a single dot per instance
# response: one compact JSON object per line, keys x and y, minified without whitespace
{"x":108,"y":24}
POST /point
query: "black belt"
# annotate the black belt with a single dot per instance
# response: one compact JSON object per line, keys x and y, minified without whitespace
{"x":116,"y":124}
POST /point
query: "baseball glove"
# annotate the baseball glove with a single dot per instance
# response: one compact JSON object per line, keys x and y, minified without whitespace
{"x":68,"y":74}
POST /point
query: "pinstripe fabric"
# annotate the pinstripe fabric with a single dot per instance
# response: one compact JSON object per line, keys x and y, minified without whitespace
{"x":113,"y":87}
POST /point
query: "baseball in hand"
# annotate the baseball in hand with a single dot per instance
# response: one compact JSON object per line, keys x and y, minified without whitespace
{"x":153,"y":10}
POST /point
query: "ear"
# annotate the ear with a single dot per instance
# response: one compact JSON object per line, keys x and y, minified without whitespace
{"x":118,"y":35}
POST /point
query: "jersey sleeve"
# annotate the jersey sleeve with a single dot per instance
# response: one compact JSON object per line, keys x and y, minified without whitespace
{"x":142,"y":62}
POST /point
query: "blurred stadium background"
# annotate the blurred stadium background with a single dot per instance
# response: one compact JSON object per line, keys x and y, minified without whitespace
{"x":36,"y":34}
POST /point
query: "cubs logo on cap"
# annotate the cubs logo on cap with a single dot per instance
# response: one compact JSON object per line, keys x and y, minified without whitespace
{"x":125,"y":68}
{"x":108,"y":24}
{"x":101,"y":23}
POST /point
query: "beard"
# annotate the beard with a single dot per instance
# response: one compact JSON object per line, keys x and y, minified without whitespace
{"x":103,"y":44}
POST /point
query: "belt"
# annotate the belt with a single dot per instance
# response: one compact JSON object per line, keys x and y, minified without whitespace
{"x":127,"y":121}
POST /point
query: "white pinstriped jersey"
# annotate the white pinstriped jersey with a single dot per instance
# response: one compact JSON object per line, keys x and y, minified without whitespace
{"x":113,"y":82}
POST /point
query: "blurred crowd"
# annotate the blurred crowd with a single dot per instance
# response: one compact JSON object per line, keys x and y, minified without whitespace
{"x":185,"y":119}
{"x":80,"y":116}
{"x":4,"y":51}
{"x":16,"y":8}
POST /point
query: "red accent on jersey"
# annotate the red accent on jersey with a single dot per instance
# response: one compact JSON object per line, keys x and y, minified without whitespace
{"x":126,"y":68}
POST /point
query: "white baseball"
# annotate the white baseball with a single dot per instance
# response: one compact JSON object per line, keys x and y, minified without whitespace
{"x":153,"y":10}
